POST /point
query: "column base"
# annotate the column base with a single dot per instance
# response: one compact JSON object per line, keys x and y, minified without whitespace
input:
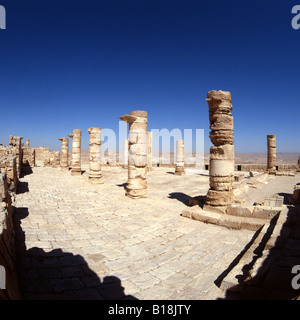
{"x":136,"y":194}
{"x":96,"y":180}
{"x":75,"y":173}
{"x":179,"y":173}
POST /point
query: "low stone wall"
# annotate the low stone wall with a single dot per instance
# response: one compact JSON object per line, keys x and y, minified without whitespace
{"x":8,"y":166}
{"x":262,"y":167}
{"x":42,"y":155}
{"x":28,"y":159}
{"x":9,"y":289}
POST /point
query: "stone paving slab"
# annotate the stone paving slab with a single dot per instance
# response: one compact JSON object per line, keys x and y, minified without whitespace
{"x":90,"y":241}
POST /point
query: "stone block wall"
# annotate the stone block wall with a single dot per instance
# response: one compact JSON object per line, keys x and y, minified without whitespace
{"x":28,"y":159}
{"x":15,"y":149}
{"x":42,"y":156}
{"x":8,"y":166}
{"x":11,"y":290}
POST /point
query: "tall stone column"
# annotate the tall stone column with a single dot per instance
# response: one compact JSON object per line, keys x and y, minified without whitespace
{"x":137,"y":158}
{"x":125,"y":160}
{"x":179,"y":167}
{"x":95,"y":174}
{"x":271,"y":165}
{"x":149,"y":156}
{"x":27,"y":143}
{"x":64,"y":161}
{"x":76,"y":152}
{"x":221,"y":165}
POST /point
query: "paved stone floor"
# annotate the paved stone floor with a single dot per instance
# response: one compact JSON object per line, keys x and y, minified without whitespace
{"x":81,"y":241}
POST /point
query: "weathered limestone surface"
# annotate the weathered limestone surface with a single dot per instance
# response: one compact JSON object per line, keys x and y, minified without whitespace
{"x":137,"y":159}
{"x":179,"y":167}
{"x":55,"y":163}
{"x":155,"y":253}
{"x":8,"y":166}
{"x":76,"y":152}
{"x":15,"y":143}
{"x":64,"y":162}
{"x":42,"y":156}
{"x":221,"y":166}
{"x":271,"y":165}
{"x":28,"y":158}
{"x":95,"y":155}
{"x":7,"y":245}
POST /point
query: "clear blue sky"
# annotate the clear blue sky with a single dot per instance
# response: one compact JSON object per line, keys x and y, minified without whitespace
{"x":75,"y":64}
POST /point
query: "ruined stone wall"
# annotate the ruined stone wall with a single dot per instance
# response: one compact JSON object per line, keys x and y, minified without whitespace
{"x":28,"y":158}
{"x":261,"y":167}
{"x":15,"y":149}
{"x":42,"y":156}
{"x":8,"y":166}
{"x":10,"y":291}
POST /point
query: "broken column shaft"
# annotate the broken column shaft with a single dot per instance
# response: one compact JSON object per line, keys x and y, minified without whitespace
{"x":221,"y":165}
{"x":179,"y":167}
{"x":137,"y":154}
{"x":64,"y":162}
{"x":271,"y":164}
{"x":95,"y":174}
{"x":76,"y":152}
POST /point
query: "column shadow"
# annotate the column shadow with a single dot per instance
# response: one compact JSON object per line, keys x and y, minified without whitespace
{"x":59,"y":275}
{"x":273,"y":276}
{"x":186,"y":199}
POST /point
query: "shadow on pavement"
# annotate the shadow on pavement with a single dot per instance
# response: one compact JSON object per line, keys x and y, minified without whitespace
{"x":272,"y":278}
{"x":59,"y":275}
{"x":186,"y":199}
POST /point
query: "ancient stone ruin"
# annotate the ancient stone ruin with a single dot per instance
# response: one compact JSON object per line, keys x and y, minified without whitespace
{"x":95,"y":173}
{"x":64,"y":162}
{"x":137,"y":155}
{"x":221,"y":165}
{"x":179,"y":167}
{"x":76,"y":152}
{"x":222,"y":203}
{"x":271,"y":167}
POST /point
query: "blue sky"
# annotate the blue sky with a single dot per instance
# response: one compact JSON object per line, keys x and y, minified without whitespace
{"x":76,"y":64}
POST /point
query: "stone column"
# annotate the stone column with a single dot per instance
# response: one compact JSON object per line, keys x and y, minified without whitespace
{"x":76,"y":152}
{"x":221,"y":165}
{"x":95,"y":174}
{"x":271,"y":165}
{"x":149,"y":156}
{"x":27,"y":143}
{"x":137,"y":159}
{"x":179,"y":167}
{"x":64,"y":162}
{"x":125,"y":160}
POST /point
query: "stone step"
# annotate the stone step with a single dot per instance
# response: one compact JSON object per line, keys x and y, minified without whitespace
{"x":251,"y":259}
{"x":221,"y":219}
